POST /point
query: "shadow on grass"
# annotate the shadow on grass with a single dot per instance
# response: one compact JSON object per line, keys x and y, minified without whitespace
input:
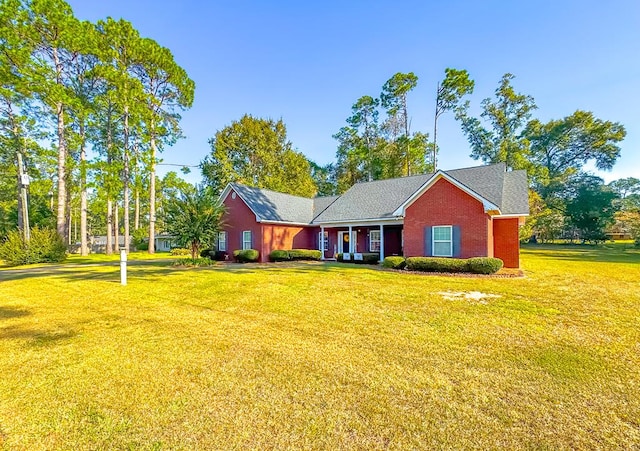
{"x":10,"y":312}
{"x":37,"y":338}
{"x":90,"y":271}
{"x":605,"y":253}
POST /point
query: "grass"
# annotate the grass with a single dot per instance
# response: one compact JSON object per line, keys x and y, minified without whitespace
{"x":75,"y":259}
{"x":324,"y":356}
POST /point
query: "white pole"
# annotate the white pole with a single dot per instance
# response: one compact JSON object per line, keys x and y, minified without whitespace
{"x":381,"y":242}
{"x":123,"y":266}
{"x":322,"y":249}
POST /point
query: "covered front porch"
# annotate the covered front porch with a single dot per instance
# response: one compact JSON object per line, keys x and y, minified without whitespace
{"x":383,"y":238}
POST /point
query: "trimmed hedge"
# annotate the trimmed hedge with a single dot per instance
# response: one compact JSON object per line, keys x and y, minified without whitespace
{"x":475,"y":265}
{"x":305,"y":254}
{"x":394,"y":262}
{"x":279,"y":255}
{"x":246,"y":255}
{"x":436,"y":264}
{"x":484,"y":265}
{"x":368,"y":258}
{"x":182,"y":251}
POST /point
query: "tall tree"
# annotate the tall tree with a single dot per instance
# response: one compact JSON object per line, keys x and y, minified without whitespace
{"x":168,"y":90}
{"x":364,"y":120}
{"x":85,"y":85}
{"x":121,"y":52}
{"x":394,"y":100}
{"x":507,"y":116}
{"x":560,"y":148}
{"x":14,"y":103}
{"x":56,"y":37}
{"x":256,"y":152}
{"x":324,"y":178}
{"x":456,"y":84}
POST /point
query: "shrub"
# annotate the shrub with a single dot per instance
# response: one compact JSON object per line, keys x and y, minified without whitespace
{"x":45,"y":246}
{"x":182,"y":251}
{"x":246,"y":255}
{"x":206,"y":253}
{"x":394,"y":262}
{"x":436,"y":264}
{"x":484,"y":265}
{"x":278,"y":255}
{"x":220,"y":256}
{"x":368,"y":258}
{"x":304,"y":254}
{"x":194,"y":262}
{"x":140,"y":238}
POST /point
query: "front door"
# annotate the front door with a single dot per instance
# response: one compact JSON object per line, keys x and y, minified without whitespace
{"x":343,"y":239}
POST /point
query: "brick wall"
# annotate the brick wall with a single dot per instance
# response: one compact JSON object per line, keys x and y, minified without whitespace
{"x":287,"y":237}
{"x":506,"y":244}
{"x":446,"y":204}
{"x":237,"y":219}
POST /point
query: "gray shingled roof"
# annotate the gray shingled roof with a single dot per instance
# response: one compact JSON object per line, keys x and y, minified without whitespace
{"x":380,"y":198}
{"x":372,"y":200}
{"x":515,"y":193}
{"x":274,"y":206}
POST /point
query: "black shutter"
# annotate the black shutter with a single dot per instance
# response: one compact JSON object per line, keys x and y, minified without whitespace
{"x":455,"y":237}
{"x":427,"y":241}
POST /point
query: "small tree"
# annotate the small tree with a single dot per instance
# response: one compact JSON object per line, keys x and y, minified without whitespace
{"x":591,"y":209}
{"x":194,"y":218}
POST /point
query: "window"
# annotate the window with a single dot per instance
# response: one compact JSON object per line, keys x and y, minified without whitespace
{"x":442,"y":241}
{"x":374,"y":241}
{"x":246,"y":239}
{"x":222,"y":241}
{"x":323,"y":244}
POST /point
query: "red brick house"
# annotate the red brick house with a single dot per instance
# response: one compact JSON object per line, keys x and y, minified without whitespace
{"x":471,"y":212}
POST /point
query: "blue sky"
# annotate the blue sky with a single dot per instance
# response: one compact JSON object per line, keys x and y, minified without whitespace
{"x":307,"y":62}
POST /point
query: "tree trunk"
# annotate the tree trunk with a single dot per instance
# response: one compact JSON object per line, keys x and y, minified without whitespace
{"x":435,"y":129}
{"x":152,"y":197}
{"x":23,"y":202}
{"x":61,"y":223}
{"x":116,"y":227}
{"x":125,"y":180}
{"x":109,"y":246}
{"x":84,"y":249}
{"x":136,"y":214}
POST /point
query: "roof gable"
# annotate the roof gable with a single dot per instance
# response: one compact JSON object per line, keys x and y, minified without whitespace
{"x":273,"y":206}
{"x":500,"y":191}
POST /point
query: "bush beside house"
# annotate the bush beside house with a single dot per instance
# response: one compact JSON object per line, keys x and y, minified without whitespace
{"x":282,"y":255}
{"x":246,"y":255}
{"x":475,"y":265}
{"x":394,"y":262}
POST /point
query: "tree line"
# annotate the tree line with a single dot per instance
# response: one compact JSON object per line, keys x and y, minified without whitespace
{"x":85,"y":109}
{"x":377,"y":143}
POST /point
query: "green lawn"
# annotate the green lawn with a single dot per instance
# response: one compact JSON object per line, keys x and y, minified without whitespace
{"x":324,"y":356}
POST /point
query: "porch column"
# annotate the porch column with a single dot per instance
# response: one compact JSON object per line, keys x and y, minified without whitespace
{"x":381,"y":242}
{"x":322,"y":249}
{"x":350,"y":241}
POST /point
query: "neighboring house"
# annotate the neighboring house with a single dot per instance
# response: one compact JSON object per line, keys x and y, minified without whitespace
{"x":471,"y":212}
{"x":98,"y":243}
{"x":164,"y":242}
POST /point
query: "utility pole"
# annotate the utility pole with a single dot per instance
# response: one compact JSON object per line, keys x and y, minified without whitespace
{"x":23,"y":182}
